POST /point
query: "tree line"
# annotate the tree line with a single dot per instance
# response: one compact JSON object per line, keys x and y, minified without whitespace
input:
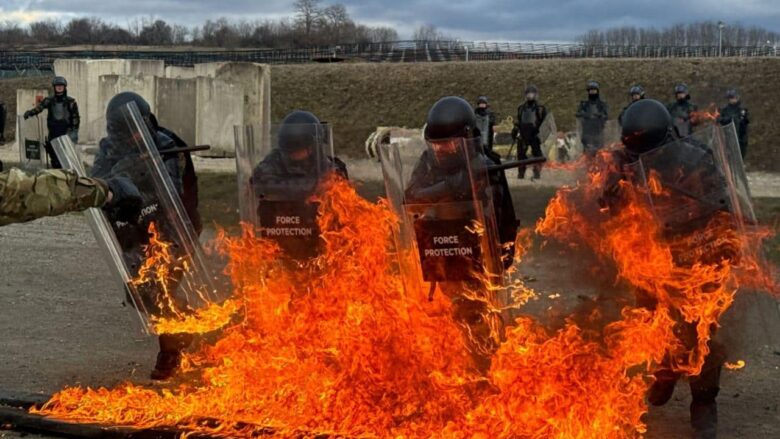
{"x":313,"y":24}
{"x":704,"y":33}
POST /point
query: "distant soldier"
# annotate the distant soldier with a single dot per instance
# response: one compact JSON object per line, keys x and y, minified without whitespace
{"x":26,"y":197}
{"x":736,"y":113}
{"x":530,"y":116}
{"x":3,"y":115}
{"x":63,"y":116}
{"x":635,"y":93}
{"x":592,"y":115}
{"x":682,"y":110}
{"x":486,"y":121}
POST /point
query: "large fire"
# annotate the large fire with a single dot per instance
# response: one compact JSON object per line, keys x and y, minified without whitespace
{"x":338,"y":345}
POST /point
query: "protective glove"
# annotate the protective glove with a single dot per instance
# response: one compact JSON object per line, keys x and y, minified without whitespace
{"x":74,"y":135}
{"x":126,"y":201}
{"x":27,"y":114}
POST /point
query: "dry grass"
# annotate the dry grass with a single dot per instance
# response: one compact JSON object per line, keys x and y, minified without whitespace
{"x":358,"y":97}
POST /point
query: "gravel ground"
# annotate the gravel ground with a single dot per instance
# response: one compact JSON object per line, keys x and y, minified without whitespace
{"x":62,"y":322}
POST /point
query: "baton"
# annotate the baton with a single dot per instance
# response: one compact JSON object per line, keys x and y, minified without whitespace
{"x":516,"y":164}
{"x":173,"y":151}
{"x":511,"y":148}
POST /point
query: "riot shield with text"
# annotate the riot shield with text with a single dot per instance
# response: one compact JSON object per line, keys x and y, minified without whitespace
{"x":31,"y":133}
{"x":279,"y":169}
{"x":692,"y":178}
{"x":152,"y":246}
{"x":447,"y":233}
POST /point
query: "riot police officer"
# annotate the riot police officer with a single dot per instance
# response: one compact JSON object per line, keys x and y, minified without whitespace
{"x":443,"y":176}
{"x":116,"y":157}
{"x":530,"y":116}
{"x":486,"y":121}
{"x":592,"y":114}
{"x":63,"y":116}
{"x":682,"y":111}
{"x":285,"y":179}
{"x":648,"y":126}
{"x":635,"y":93}
{"x":735,"y":113}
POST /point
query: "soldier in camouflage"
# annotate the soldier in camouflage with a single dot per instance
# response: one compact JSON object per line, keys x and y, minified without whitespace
{"x":26,"y":197}
{"x":682,"y":111}
{"x":63,"y":116}
{"x":736,"y":113}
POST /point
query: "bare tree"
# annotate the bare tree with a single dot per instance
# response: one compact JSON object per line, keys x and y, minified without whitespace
{"x":308,"y":14}
{"x":427,"y":32}
{"x":158,"y":33}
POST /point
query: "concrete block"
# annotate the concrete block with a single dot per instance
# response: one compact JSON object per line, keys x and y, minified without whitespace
{"x":254,"y":78}
{"x":219,"y":107}
{"x":176,"y":102}
{"x":180,"y":72}
{"x":108,"y":86}
{"x":26,"y":99}
{"x":84,"y":81}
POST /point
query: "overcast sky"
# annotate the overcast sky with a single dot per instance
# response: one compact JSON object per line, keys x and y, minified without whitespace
{"x":470,"y":19}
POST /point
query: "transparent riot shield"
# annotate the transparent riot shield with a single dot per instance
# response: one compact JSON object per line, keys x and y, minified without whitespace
{"x":483,"y":124}
{"x":152,"y":247}
{"x":32,"y":139}
{"x":548,"y":136}
{"x":279,"y":169}
{"x":447,"y":234}
{"x":691,"y":180}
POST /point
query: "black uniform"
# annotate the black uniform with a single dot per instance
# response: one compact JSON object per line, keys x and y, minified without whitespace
{"x":682,"y":113}
{"x":530,"y":116}
{"x":284,"y":187}
{"x":689,"y":170}
{"x":117,"y":159}
{"x":737,"y":114}
{"x":62,"y":119}
{"x":486,"y":121}
{"x":593,"y":115}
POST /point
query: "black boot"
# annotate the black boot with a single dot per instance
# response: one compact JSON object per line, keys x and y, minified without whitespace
{"x":167,"y":363}
{"x":169,"y":357}
{"x":663,"y":388}
{"x":704,"y":419}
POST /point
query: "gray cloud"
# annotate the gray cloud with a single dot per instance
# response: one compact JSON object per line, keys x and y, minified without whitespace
{"x":476,"y":19}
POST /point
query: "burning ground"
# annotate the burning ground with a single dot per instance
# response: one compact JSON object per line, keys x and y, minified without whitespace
{"x":342,"y":348}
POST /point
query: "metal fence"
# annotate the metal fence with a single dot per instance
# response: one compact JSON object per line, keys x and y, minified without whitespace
{"x":40,"y":62}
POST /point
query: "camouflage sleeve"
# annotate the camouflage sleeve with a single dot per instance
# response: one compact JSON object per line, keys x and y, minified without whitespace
{"x":25,"y":197}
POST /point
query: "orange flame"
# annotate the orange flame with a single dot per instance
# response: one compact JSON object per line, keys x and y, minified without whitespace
{"x":337,"y":345}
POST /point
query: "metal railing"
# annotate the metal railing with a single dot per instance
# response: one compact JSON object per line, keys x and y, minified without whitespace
{"x":36,"y":62}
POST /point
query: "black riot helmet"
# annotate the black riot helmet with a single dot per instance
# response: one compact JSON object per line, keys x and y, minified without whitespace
{"x":637,"y":90}
{"x":646,"y":125}
{"x":682,"y":88}
{"x":118,"y":126}
{"x":592,"y":85}
{"x":59,"y":80}
{"x":531,"y":89}
{"x":482,"y":100}
{"x":451,"y":129}
{"x":301,"y":133}
{"x":732,"y":93}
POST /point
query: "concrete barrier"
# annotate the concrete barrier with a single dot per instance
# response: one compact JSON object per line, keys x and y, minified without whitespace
{"x":26,"y":99}
{"x":177,"y":72}
{"x":220,"y":107}
{"x":84,"y":83}
{"x":254,"y":78}
{"x":176,"y":106}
